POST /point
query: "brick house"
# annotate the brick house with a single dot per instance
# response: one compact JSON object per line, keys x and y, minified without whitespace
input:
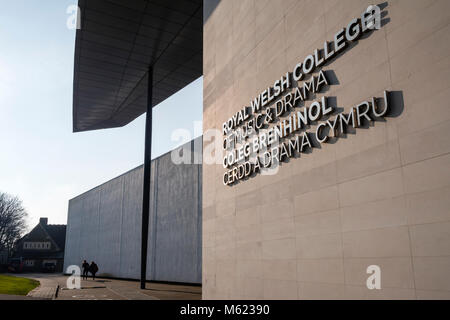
{"x":42,"y":249}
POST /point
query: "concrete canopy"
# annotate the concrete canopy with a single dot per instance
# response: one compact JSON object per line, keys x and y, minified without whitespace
{"x":114,"y":48}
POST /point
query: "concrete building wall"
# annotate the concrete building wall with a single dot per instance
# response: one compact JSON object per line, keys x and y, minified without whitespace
{"x":377,"y":197}
{"x":104,"y":224}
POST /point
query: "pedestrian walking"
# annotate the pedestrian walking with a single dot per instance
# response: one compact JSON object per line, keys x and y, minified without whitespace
{"x":85,"y":267}
{"x":93,"y":269}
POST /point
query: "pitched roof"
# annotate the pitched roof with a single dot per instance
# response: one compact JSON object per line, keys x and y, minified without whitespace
{"x":58,"y":233}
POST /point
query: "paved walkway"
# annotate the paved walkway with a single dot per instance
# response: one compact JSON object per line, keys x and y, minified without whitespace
{"x":109,"y":289}
{"x":47,"y":289}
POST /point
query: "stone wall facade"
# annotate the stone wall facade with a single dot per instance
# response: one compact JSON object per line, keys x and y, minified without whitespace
{"x":379,"y":196}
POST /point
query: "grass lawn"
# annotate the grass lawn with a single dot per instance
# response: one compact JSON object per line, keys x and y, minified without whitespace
{"x":16,"y":285}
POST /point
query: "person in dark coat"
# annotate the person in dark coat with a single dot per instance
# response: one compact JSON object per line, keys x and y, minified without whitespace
{"x":93,"y":268}
{"x":85,"y":267}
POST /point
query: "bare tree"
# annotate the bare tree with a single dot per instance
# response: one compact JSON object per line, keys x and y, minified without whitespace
{"x":12,"y":220}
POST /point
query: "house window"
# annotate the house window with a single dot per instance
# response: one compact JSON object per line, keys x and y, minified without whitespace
{"x":34,"y":245}
{"x":29,"y":263}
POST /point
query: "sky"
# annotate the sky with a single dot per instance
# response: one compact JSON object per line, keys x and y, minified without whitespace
{"x":41,"y":161}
